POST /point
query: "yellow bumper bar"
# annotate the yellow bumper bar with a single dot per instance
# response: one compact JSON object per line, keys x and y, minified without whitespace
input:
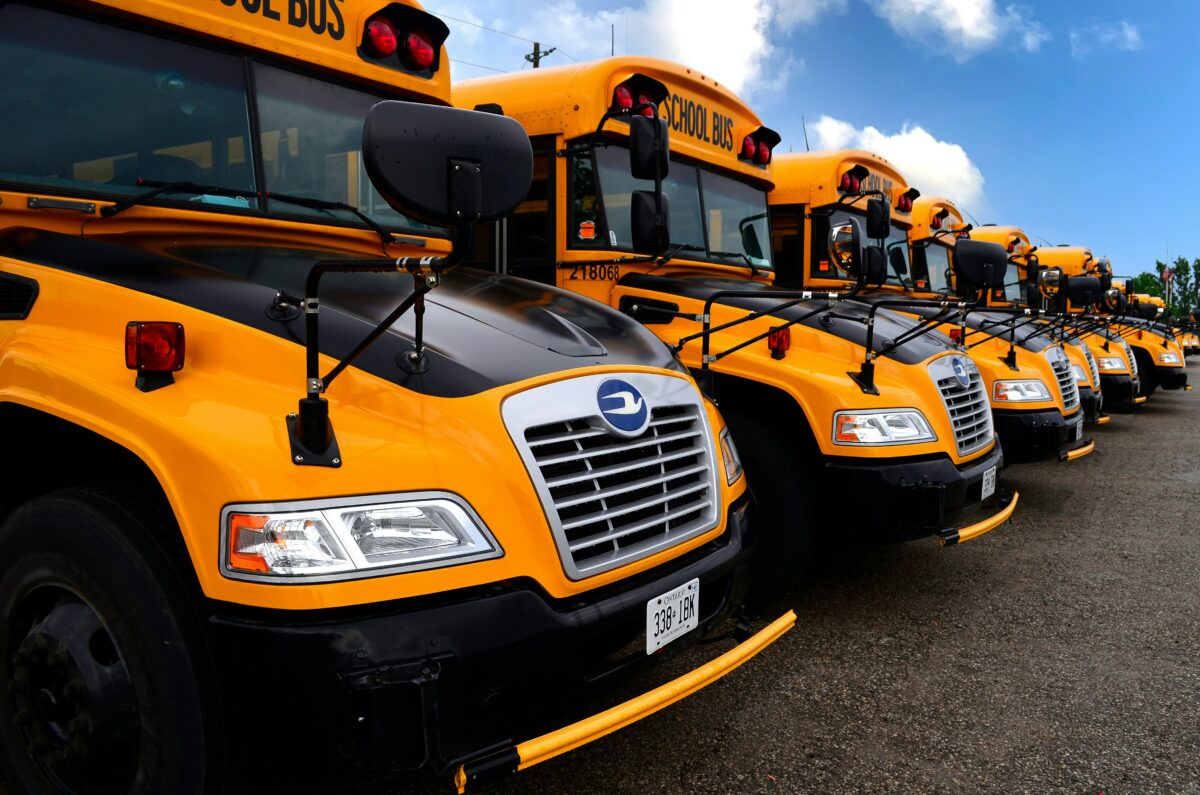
{"x":1079,"y":452}
{"x":1104,"y":420}
{"x":952,"y":537}
{"x":568,"y":738}
{"x":1140,"y":400}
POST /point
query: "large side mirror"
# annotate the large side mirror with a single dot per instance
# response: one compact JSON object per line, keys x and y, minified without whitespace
{"x":879,"y":219}
{"x":651,"y":229}
{"x":845,"y":247}
{"x":1083,"y":291}
{"x":750,"y":243}
{"x":874,"y":266}
{"x":897,"y":259}
{"x":979,"y":265}
{"x":649,"y":154}
{"x":446,"y":166}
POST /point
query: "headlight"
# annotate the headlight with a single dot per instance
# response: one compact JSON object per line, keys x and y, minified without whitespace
{"x":1020,"y":391}
{"x":1110,"y":363}
{"x":1168,"y":358}
{"x":733,"y":463}
{"x":1080,"y":375}
{"x":890,"y":426}
{"x":339,"y":539}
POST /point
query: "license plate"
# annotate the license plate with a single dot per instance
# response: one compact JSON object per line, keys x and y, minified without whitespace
{"x":1077,"y":434}
{"x":672,"y":615}
{"x":989,"y":484}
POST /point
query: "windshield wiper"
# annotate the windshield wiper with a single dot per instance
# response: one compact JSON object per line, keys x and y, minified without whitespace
{"x":737,"y":255}
{"x":186,"y":186}
{"x":181,"y":186}
{"x":324,"y":204}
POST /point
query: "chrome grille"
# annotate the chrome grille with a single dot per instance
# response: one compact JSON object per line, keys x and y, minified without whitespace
{"x":610,"y":498}
{"x":968,"y":407}
{"x":1067,"y":386}
{"x":1091,"y":362}
{"x":1131,"y":357}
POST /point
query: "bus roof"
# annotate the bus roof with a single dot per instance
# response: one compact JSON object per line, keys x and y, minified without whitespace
{"x":1072,"y":260}
{"x":320,"y":33}
{"x":924,"y":209}
{"x":707,"y":120}
{"x":1004,"y":235}
{"x":811,"y":178}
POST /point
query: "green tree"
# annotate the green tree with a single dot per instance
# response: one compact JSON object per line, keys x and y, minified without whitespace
{"x":1147,"y":283}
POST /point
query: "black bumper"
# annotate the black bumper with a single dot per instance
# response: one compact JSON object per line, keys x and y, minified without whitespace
{"x":1092,"y":403}
{"x":1119,"y":391}
{"x":356,"y":696}
{"x":1171,"y":377}
{"x":898,"y":500}
{"x":1037,"y":435}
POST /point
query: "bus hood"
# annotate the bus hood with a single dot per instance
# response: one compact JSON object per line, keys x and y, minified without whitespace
{"x":482,"y":330}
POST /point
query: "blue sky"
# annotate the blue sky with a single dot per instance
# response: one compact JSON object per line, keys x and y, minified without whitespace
{"x":1076,"y":121}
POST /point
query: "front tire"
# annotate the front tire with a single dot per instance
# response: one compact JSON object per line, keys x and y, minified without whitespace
{"x":104,"y":688}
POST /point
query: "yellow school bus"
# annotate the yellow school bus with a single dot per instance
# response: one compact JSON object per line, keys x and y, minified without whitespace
{"x":1069,"y":327}
{"x":893,"y":458}
{"x":1153,"y":335}
{"x":299,"y":505}
{"x":1033,"y":397}
{"x":1114,"y":359}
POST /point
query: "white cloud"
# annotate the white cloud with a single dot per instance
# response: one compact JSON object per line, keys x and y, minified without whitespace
{"x":733,"y":41}
{"x":962,"y":28}
{"x":932,"y":166}
{"x":1104,"y":35}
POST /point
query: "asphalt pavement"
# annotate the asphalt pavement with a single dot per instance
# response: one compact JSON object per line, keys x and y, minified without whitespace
{"x":1059,"y":653}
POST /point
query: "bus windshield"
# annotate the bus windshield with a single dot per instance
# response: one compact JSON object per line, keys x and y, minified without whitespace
{"x":713,"y":217}
{"x":101,"y":107}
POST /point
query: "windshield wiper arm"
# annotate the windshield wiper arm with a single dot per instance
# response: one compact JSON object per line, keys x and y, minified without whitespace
{"x":324,"y":204}
{"x":737,"y":255}
{"x":180,"y":186}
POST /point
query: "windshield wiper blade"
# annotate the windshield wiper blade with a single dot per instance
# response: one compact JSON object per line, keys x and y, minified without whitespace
{"x":180,"y":186}
{"x":737,"y":255}
{"x":324,"y":204}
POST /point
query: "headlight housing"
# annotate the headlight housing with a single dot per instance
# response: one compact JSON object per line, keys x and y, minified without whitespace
{"x":1080,"y":375}
{"x":351,"y":538}
{"x":733,"y":462}
{"x":1020,"y":391}
{"x":881,"y":427}
{"x":1110,"y":363}
{"x":1168,"y":358}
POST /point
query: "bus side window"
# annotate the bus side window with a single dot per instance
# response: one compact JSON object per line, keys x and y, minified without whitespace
{"x":531,"y":228}
{"x":787,"y":246}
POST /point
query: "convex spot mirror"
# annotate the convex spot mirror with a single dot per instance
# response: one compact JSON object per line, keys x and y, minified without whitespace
{"x":446,"y":166}
{"x":648,"y":154}
{"x":651,"y":229}
{"x":845,"y":247}
{"x":1049,"y":283}
{"x":979,"y":265}
{"x":879,"y":219}
{"x":1114,"y":301}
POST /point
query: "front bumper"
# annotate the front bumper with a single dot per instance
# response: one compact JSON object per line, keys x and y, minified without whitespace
{"x":1092,"y":403}
{"x":901,"y":500}
{"x":1119,"y":391}
{"x":350,"y":697}
{"x":1037,"y":435}
{"x":1171,"y":377}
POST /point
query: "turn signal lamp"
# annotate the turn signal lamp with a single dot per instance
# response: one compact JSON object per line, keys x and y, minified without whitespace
{"x":154,"y":347}
{"x":419,"y":51}
{"x":779,"y":341}
{"x":381,"y":40}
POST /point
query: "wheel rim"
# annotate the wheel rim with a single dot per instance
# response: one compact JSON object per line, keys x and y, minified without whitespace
{"x":73,"y":699}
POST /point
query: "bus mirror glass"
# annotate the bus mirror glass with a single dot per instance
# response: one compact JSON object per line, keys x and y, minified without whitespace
{"x":979,"y":265}
{"x":897,"y":261}
{"x":875,"y":265}
{"x":651,"y":230}
{"x":446,"y":166}
{"x":1083,"y":291}
{"x":1113,"y":299}
{"x":845,"y":247}
{"x":750,"y":245}
{"x":648,"y":154}
{"x":879,"y":219}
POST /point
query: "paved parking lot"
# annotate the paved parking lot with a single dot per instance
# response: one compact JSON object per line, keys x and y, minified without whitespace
{"x":1057,"y":654}
{"x":1060,"y":653}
